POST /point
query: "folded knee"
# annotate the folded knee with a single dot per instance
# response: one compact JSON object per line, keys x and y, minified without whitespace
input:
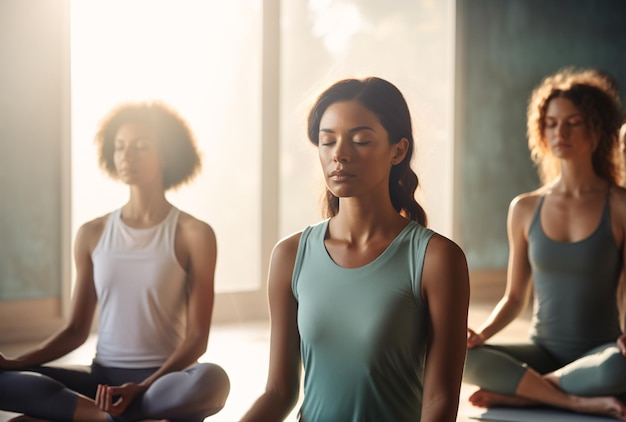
{"x":476,"y":365}
{"x":493,"y":370}
{"x":612,"y":373}
{"x":600,"y":374}
{"x":216,"y":385}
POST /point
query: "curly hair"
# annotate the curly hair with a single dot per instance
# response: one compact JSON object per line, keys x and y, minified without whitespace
{"x":384,"y":100}
{"x":175,"y":140}
{"x":595,"y":94}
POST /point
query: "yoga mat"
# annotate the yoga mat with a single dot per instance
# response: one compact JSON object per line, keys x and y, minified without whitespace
{"x":534,"y":415}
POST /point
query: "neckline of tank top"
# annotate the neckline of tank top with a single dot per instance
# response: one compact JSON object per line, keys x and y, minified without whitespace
{"x":159,"y":224}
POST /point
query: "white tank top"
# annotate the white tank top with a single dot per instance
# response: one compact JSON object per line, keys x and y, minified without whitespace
{"x":142,"y":293}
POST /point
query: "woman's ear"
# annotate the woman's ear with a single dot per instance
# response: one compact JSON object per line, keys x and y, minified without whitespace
{"x":399,"y":151}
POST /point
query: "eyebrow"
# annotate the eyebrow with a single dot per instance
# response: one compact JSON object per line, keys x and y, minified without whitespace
{"x":549,"y":116}
{"x":135,"y":139}
{"x":353,"y":130}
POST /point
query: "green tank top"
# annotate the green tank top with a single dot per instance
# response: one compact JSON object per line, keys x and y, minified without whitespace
{"x":363,"y":330}
{"x":575,"y":289}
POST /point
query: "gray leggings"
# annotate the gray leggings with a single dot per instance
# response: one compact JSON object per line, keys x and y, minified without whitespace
{"x":50,"y":392}
{"x":499,"y":368}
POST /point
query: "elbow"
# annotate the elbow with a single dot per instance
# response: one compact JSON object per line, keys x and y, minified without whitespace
{"x":441,"y":410}
{"x":292,"y":399}
{"x":516,"y":302}
{"x":76,"y":335}
{"x":288,"y":398}
{"x":200,"y":349}
{"x":199,"y":345}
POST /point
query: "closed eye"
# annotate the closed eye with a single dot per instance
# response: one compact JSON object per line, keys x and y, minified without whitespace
{"x":326,"y":140}
{"x":575,"y":121}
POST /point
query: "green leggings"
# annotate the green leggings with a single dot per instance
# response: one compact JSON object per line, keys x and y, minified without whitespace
{"x":500,"y":367}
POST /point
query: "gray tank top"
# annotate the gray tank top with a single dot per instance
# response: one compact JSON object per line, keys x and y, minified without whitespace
{"x":575,"y":288}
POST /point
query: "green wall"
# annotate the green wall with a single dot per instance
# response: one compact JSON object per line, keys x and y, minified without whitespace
{"x":33,"y":120}
{"x":504,"y":49}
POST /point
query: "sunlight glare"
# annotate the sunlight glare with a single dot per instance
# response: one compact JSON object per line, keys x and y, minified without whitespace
{"x":202,"y":58}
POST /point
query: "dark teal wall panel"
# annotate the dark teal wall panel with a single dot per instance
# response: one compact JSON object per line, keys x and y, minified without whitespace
{"x":505,"y":48}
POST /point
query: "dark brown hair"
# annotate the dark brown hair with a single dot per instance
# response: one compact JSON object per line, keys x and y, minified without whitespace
{"x":175,"y":140}
{"x":384,"y":100}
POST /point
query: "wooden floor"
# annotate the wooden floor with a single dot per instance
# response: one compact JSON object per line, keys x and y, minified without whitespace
{"x":243,"y":350}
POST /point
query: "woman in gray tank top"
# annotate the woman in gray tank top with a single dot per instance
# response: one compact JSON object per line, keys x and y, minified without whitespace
{"x":567,"y":244}
{"x":149,"y":268}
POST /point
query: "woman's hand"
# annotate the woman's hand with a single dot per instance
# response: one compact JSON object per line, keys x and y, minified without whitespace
{"x":621,"y":343}
{"x":474,"y":339}
{"x":124,"y":395}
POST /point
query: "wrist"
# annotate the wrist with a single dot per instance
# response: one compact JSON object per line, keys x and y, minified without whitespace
{"x":482,"y":336}
{"x":143,"y":386}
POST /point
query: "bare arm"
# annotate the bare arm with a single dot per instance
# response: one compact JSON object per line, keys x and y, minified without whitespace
{"x":283,"y":381}
{"x":76,"y":330}
{"x":621,"y":302}
{"x":618,"y":219}
{"x":445,"y":285}
{"x":517,"y":292}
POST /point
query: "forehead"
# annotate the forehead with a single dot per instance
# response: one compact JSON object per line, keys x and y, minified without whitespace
{"x":561,"y":106}
{"x":348,"y":114}
{"x":133,"y":131}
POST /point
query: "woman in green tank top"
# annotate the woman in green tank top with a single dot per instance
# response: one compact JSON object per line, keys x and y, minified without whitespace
{"x":567,"y":243}
{"x":371,"y":303}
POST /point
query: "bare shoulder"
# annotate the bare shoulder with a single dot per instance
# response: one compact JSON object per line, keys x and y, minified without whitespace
{"x":526,"y":202}
{"x":282,"y":264}
{"x":90,"y":232}
{"x":194,"y":228}
{"x":522,"y":209}
{"x":443,"y":252}
{"x":445,"y":266}
{"x":287,"y":248}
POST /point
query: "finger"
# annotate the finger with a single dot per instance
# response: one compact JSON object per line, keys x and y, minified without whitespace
{"x":119,"y":406}
{"x":102,"y":399}
{"x":107,"y":399}
{"x":119,"y":401}
{"x":114,"y":390}
{"x":99,"y":396}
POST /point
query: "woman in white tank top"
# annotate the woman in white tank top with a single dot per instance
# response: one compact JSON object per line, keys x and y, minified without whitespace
{"x":150,"y":269}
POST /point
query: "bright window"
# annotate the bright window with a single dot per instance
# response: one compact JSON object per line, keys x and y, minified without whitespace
{"x":204,"y":59}
{"x":411,"y":44}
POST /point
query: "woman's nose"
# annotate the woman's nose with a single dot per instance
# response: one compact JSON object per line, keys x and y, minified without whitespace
{"x":561,"y":128}
{"x":341,"y":153}
{"x":128,"y":152}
